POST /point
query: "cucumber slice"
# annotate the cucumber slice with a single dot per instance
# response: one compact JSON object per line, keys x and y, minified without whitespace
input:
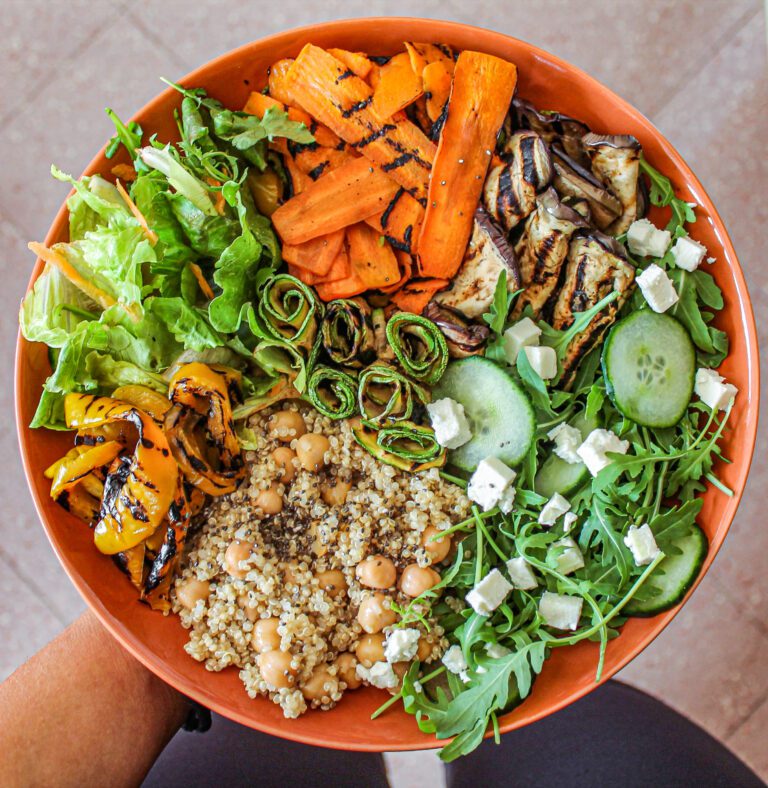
{"x":557,"y":475}
{"x":673,"y":576}
{"x":499,"y":412}
{"x":650,"y":363}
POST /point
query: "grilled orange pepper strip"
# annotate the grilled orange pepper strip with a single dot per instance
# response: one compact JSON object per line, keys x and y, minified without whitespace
{"x":149,"y":478}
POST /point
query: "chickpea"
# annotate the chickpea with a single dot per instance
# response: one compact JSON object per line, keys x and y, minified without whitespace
{"x":332,"y":581}
{"x":270,"y":501}
{"x":436,"y":549}
{"x":370,"y":649}
{"x":275,"y":667}
{"x":314,"y":688}
{"x":375,"y":614}
{"x":285,"y":425}
{"x":311,"y":449}
{"x":335,"y":494}
{"x":251,"y":612}
{"x":424,"y":649}
{"x":236,"y":552}
{"x":265,"y":636}
{"x":346,"y":664}
{"x":415,"y":580}
{"x":283,"y":457}
{"x":376,"y":571}
{"x":191,"y":591}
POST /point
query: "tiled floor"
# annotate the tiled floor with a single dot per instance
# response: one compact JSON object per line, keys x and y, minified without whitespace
{"x":697,"y":68}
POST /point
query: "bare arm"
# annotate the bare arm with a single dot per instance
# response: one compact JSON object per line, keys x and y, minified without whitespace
{"x":84,"y":712}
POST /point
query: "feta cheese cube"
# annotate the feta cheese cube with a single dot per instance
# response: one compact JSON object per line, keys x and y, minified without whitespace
{"x":567,"y":439}
{"x":567,"y":555}
{"x":641,"y":543}
{"x":597,"y":444}
{"x":543,"y":360}
{"x":523,"y":334}
{"x":560,"y":611}
{"x":380,"y":675}
{"x":489,"y":482}
{"x":453,"y":659}
{"x":507,"y":500}
{"x":553,"y":508}
{"x":657,"y":288}
{"x":712,"y":389}
{"x":645,"y":239}
{"x":489,"y":593}
{"x":688,"y":253}
{"x":568,"y":521}
{"x":496,"y":650}
{"x":449,"y":423}
{"x":401,"y":645}
{"x":521,"y":574}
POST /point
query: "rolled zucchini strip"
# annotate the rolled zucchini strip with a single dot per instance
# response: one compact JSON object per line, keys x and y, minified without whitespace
{"x":289,"y":310}
{"x":347,"y":332}
{"x":403,"y":444}
{"x":419,"y":346}
{"x":332,"y":392}
{"x":385,"y":393}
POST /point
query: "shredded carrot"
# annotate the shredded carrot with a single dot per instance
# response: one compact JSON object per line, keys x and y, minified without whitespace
{"x":417,"y":293}
{"x":315,"y":83}
{"x":400,"y":222}
{"x":317,"y":255}
{"x":356,"y":62}
{"x":345,"y":196}
{"x":483,"y":86}
{"x":138,"y":215}
{"x":205,"y":288}
{"x":372,"y":259}
{"x":398,"y":86}
{"x":125,"y":172}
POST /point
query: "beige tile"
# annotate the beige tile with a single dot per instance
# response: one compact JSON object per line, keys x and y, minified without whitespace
{"x":22,"y":635}
{"x":66,"y":124}
{"x":39,"y":37}
{"x":748,"y":742}
{"x":708,"y":664}
{"x":414,"y":769}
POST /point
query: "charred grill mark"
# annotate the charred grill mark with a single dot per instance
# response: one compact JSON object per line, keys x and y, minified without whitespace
{"x":437,"y":126}
{"x":388,"y":210}
{"x":380,"y":60}
{"x":355,"y":108}
{"x":404,"y":158}
{"x":147,"y":443}
{"x":528,"y":159}
{"x":374,"y":135}
{"x":316,"y":172}
{"x":407,"y":236}
{"x":398,"y":148}
{"x":197,"y":463}
{"x":345,"y":75}
{"x":542,"y":269}
{"x":63,"y":500}
{"x":446,"y":50}
{"x":296,"y":148}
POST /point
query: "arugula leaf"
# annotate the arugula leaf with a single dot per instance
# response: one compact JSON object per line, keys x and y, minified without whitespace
{"x":534,"y":385}
{"x":502,"y":301}
{"x":602,"y":530}
{"x":129,"y":135}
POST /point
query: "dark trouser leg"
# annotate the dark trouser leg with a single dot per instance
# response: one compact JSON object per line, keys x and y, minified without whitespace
{"x":616,"y":737}
{"x":230,"y":755}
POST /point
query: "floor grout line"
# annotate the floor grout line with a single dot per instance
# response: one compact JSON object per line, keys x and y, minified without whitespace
{"x":734,"y":729}
{"x":717,"y":47}
{"x":138,"y":23}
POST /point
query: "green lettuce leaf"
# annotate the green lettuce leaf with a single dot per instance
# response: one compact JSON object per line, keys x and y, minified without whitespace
{"x":187,"y":323}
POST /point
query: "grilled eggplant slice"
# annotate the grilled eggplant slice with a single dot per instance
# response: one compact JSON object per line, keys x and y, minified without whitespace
{"x":510,"y":189}
{"x":487,"y":255}
{"x":553,"y":128}
{"x":597,"y":266}
{"x":542,"y":250}
{"x":463,"y":338}
{"x":616,"y":162}
{"x":572,"y":180}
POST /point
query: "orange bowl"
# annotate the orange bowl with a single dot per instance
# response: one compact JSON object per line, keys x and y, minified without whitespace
{"x":157,"y":641}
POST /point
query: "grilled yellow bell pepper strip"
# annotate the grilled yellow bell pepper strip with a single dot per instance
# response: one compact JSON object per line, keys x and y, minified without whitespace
{"x":72,"y":470}
{"x":138,"y":490}
{"x":148,"y":400}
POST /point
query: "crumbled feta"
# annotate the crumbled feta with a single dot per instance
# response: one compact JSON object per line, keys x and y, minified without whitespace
{"x":449,"y":423}
{"x":560,"y":611}
{"x":380,"y":675}
{"x":464,"y":676}
{"x":489,"y":482}
{"x":567,"y":439}
{"x":645,"y":239}
{"x":569,"y":521}
{"x":523,"y":334}
{"x":453,"y":659}
{"x":712,"y":389}
{"x":688,"y":253}
{"x":496,"y":650}
{"x":553,"y":508}
{"x":417,"y":686}
{"x":489,"y":593}
{"x":711,"y":260}
{"x":401,"y":645}
{"x":597,"y":444}
{"x":521,"y":574}
{"x":657,"y":288}
{"x":543,"y":361}
{"x":567,"y":556}
{"x":507,"y":500}
{"x":641,"y":543}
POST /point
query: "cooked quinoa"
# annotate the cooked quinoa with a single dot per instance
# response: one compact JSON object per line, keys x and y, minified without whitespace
{"x":385,"y":513}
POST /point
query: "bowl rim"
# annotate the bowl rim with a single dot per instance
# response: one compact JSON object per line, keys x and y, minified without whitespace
{"x":743,"y":302}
